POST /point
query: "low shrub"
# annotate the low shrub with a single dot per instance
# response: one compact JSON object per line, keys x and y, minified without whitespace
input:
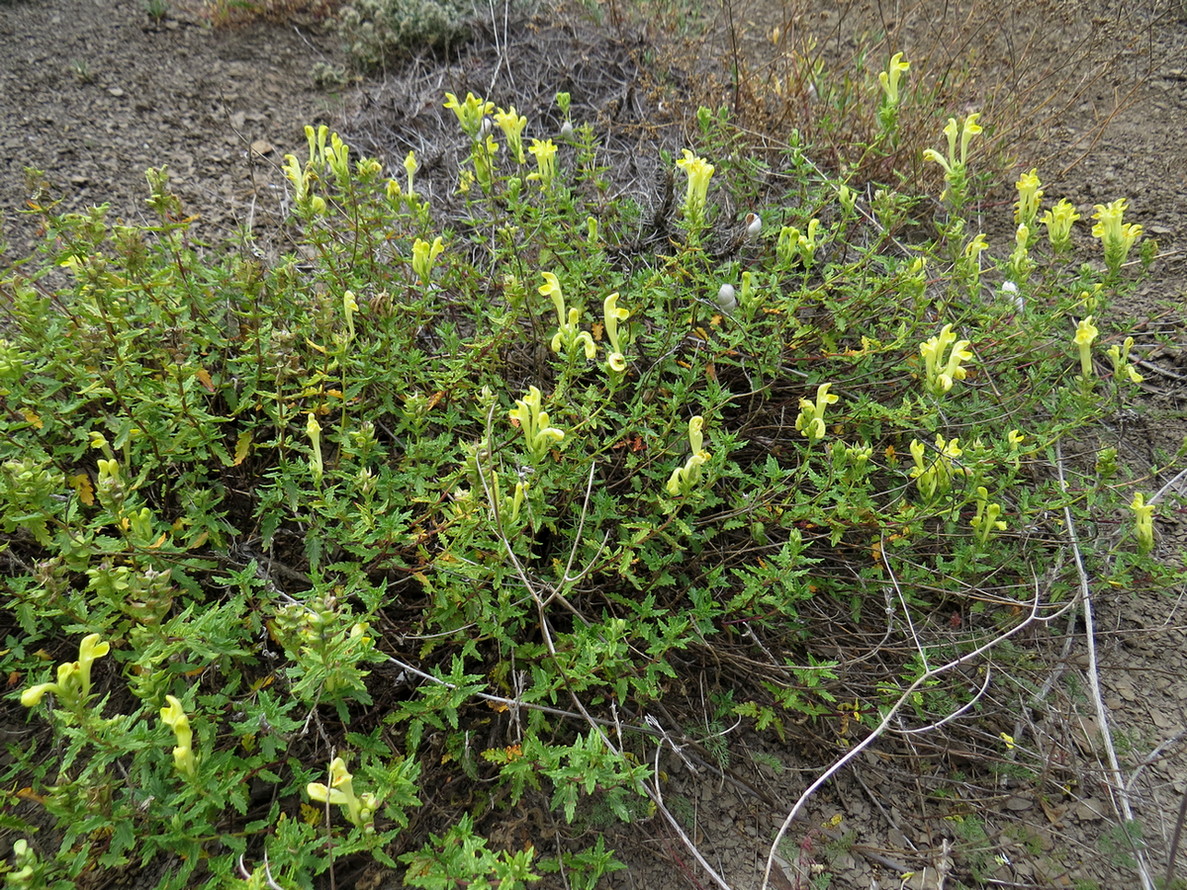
{"x":435,"y":510}
{"x":379,"y":31}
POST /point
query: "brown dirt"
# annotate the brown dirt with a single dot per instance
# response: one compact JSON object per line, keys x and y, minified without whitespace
{"x":93,"y":92}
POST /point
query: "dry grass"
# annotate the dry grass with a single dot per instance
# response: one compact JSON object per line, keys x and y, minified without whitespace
{"x":233,"y":13}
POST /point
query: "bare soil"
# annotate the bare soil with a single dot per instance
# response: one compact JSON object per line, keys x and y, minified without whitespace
{"x":94,"y":91}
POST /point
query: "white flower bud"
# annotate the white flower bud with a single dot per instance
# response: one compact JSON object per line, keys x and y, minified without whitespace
{"x":727,"y":299}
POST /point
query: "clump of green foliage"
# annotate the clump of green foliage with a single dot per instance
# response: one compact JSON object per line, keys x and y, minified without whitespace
{"x":439,"y":508}
{"x":378,"y":31}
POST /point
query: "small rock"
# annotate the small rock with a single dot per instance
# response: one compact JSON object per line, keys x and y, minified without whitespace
{"x":262,"y":147}
{"x":1125,"y":689}
{"x":115,"y":91}
{"x":1090,"y":810}
{"x":1018,"y":803}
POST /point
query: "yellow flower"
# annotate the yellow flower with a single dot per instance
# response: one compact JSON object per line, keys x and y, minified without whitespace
{"x":1143,"y":514}
{"x":545,"y":154}
{"x":1086,"y":333}
{"x":696,"y":436}
{"x":73,"y":684}
{"x":891,"y":76}
{"x":955,"y":163}
{"x":975,"y":247}
{"x":1059,"y":221}
{"x":810,"y":421}
{"x":175,"y":718}
{"x":410,"y":168}
{"x":512,"y":126}
{"x":1122,"y":367}
{"x":1026,"y":208}
{"x":552,"y":288}
{"x":699,"y":172}
{"x":685,"y":478}
{"x":970,"y":129}
{"x":934,"y":476}
{"x":941,"y":373}
{"x":470,"y":112}
{"x":424,"y":255}
{"x":534,"y":423}
{"x":613,"y":314}
{"x":359,"y":809}
{"x":1117,"y":237}
{"x":313,"y":430}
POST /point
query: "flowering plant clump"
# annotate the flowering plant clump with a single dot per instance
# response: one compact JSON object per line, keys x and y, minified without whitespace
{"x":327,"y":515}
